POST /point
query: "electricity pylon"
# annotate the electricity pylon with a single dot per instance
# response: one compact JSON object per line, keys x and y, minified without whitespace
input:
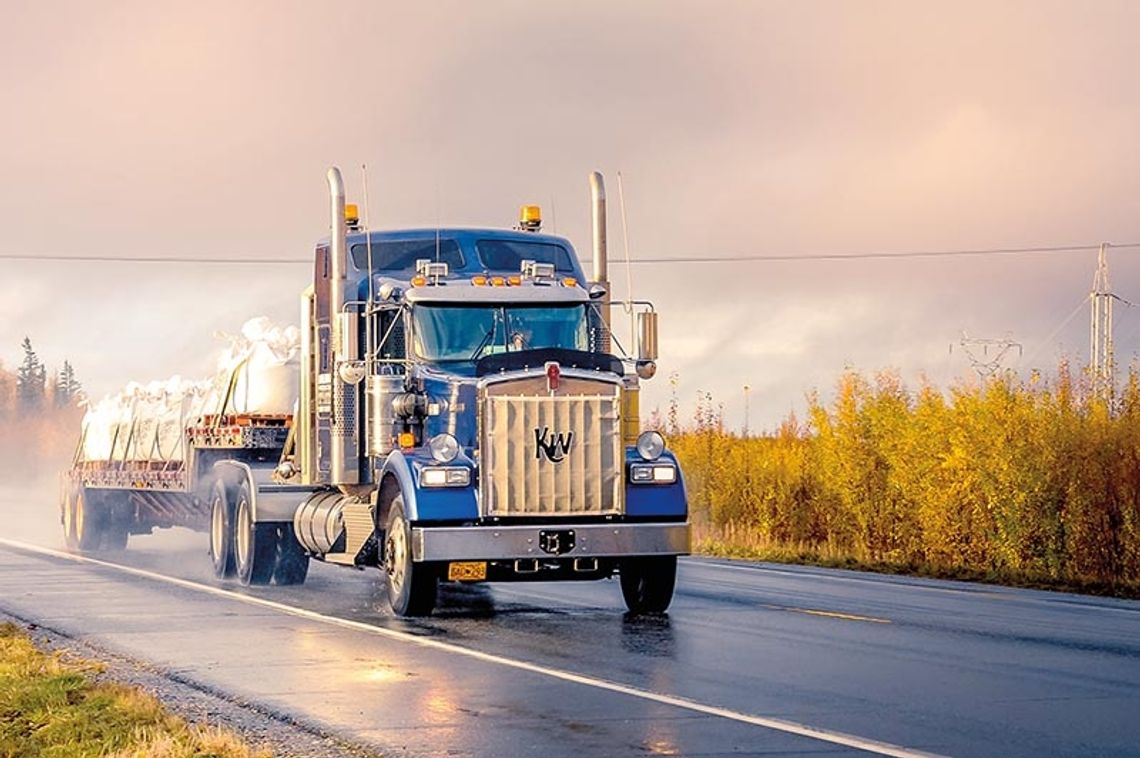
{"x":986,"y":355}
{"x":1100,"y":328}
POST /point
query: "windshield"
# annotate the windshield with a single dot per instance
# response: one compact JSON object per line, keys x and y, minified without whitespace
{"x":467,"y":333}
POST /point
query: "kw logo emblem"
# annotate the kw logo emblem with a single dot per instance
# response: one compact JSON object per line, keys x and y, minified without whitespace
{"x":553,"y":446}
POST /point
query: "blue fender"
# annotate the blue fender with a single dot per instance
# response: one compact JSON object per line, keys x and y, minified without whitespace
{"x":431,"y":503}
{"x":655,"y":500}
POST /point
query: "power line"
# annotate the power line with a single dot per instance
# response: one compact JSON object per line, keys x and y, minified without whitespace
{"x":884,"y":255}
{"x":745,"y":258}
{"x":148,"y":259}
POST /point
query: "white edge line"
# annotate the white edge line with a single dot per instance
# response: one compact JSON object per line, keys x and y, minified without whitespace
{"x":780,"y":725}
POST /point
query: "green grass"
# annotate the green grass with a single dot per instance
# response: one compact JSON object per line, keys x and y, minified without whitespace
{"x":51,"y":706}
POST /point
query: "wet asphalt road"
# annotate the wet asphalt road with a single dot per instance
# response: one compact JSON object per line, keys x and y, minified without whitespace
{"x":942,"y":667}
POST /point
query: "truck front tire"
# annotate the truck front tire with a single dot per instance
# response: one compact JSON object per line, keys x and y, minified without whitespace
{"x":411,"y":586}
{"x":647,"y":583}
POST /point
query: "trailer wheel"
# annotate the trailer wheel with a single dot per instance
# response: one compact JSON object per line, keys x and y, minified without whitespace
{"x":411,"y":586}
{"x":89,"y":518}
{"x":647,"y":583}
{"x":255,"y":554}
{"x":221,"y":531}
{"x":292,"y":562}
{"x":115,"y":536}
{"x":67,"y":517}
{"x":116,"y":520}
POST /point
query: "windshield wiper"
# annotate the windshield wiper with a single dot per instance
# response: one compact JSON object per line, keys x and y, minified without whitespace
{"x":488,"y":337}
{"x":483,"y":344}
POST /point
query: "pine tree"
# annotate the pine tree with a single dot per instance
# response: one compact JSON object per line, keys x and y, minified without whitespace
{"x":31,"y":381}
{"x":67,"y":388}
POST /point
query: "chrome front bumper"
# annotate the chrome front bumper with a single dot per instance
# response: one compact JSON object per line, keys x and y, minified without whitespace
{"x":486,"y":543}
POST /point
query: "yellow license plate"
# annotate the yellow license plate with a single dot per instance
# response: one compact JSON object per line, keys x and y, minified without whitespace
{"x":467,"y":571}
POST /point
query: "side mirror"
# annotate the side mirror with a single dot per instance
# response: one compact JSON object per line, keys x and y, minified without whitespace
{"x":647,"y":336}
{"x":597,"y":291}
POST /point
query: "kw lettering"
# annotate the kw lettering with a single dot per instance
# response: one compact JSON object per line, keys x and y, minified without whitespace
{"x":553,"y":446}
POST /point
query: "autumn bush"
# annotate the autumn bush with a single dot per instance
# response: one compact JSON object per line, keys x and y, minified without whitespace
{"x":1029,"y":480}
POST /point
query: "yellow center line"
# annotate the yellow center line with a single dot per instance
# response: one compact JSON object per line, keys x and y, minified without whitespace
{"x":830,"y":614}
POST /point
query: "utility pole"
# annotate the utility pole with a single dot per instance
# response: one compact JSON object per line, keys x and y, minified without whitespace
{"x":1100,"y":328}
{"x":986,"y":355}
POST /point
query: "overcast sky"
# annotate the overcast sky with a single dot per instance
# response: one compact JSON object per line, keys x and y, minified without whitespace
{"x":740,"y":128}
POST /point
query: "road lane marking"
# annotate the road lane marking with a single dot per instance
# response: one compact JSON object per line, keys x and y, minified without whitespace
{"x":834,"y":615}
{"x":767,"y":722}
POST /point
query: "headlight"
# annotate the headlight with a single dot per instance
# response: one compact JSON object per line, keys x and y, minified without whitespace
{"x":444,"y":448}
{"x":650,"y":445}
{"x":445,"y":476}
{"x":652,"y":473}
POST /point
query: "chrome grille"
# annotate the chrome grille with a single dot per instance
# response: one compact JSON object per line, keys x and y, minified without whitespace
{"x":549,"y":454}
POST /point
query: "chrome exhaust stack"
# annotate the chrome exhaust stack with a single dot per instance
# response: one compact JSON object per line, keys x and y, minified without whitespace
{"x":601,"y":265}
{"x":344,"y":455}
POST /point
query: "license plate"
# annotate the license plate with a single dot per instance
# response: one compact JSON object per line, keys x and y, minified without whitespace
{"x":467,"y":571}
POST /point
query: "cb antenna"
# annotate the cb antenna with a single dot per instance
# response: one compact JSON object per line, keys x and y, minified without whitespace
{"x":367,"y":232}
{"x":628,"y":266}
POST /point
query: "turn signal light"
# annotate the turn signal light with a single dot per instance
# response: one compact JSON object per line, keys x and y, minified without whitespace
{"x":407,"y":440}
{"x":419,"y":281}
{"x":569,"y":282}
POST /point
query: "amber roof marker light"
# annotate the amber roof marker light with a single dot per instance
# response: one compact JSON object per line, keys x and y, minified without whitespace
{"x":530,"y":218}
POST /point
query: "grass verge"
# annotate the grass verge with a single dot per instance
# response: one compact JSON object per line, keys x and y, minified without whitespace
{"x":51,"y":705}
{"x":732,"y":544}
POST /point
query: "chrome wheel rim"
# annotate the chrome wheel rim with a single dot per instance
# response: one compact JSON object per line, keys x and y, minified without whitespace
{"x":396,"y":555}
{"x":217,"y":530}
{"x":80,"y":518}
{"x":244,"y":533}
{"x":69,"y":517}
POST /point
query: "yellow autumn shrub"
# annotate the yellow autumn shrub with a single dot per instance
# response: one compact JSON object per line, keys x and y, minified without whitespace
{"x":1018,"y":478}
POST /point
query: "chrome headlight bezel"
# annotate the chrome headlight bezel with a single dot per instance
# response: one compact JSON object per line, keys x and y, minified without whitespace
{"x":650,"y":445}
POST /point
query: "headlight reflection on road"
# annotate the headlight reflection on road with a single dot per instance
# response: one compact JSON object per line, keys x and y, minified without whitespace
{"x":379,"y":674}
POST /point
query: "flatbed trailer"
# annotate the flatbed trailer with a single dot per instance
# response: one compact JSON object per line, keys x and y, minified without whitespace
{"x":104,"y":502}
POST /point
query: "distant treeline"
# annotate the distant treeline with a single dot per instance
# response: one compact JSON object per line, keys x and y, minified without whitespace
{"x":39,"y":416}
{"x":1022,"y":480}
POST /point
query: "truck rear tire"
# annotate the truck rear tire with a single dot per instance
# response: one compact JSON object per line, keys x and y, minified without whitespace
{"x":221,"y":531}
{"x":255,"y":545}
{"x":292,"y":562}
{"x":647,"y":583}
{"x":411,"y":586}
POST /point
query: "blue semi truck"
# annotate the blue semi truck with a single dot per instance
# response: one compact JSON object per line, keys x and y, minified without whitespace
{"x":462,"y":417}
